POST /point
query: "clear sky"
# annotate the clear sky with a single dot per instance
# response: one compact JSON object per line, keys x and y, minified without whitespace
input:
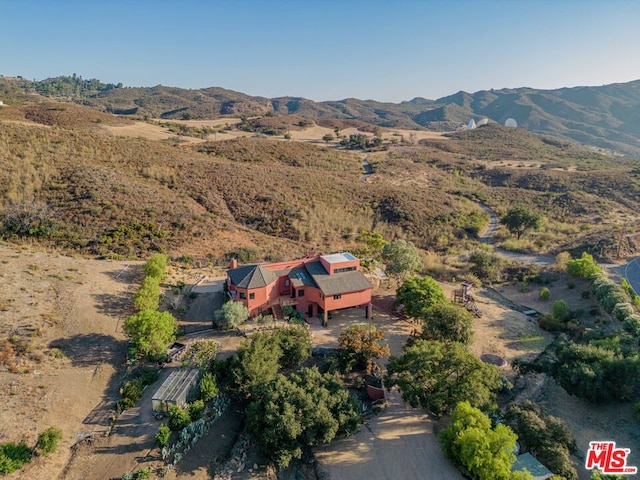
{"x":390,"y":50}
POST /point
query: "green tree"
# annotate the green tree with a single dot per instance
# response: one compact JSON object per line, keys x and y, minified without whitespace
{"x":595,"y":373}
{"x":446,"y":322}
{"x":327,"y":138}
{"x":231,"y":315}
{"x":402,"y":258}
{"x":418,"y":294}
{"x":150,"y":332}
{"x":370,"y":246}
{"x":362,"y":341}
{"x":485,"y":452}
{"x":583,"y":267}
{"x":48,"y":441}
{"x":156,"y":266}
{"x":521,"y":219}
{"x":544,"y":436}
{"x":291,"y":415}
{"x":255,"y":363}
{"x":437,"y":376}
{"x":295,"y":344}
{"x":148,"y":296}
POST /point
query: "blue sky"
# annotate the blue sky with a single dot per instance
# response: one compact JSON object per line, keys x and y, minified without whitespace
{"x":325,"y":49}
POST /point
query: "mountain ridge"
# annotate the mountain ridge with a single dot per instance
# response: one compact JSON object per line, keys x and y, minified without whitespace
{"x":606,"y":117}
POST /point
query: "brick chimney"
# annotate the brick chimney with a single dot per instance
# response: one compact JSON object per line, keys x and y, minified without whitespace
{"x":234,"y":263}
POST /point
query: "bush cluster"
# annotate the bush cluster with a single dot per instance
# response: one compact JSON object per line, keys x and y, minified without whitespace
{"x":544,"y":436}
{"x":148,"y":296}
{"x":615,"y":300}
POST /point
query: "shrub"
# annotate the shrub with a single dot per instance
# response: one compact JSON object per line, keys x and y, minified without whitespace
{"x":622,"y":311}
{"x":195,"y":408}
{"x":632,"y":325}
{"x":208,"y":387}
{"x":201,"y":354}
{"x":131,"y":392}
{"x":48,"y":441}
{"x":550,"y":323}
{"x":561,"y":310}
{"x":583,"y":267}
{"x":231,"y":315}
{"x":486,"y":266}
{"x":163,"y":434}
{"x":178,"y":418}
{"x":544,"y":294}
{"x":13,"y":456}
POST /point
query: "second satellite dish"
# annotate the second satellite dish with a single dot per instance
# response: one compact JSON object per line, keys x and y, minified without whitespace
{"x":511,"y":123}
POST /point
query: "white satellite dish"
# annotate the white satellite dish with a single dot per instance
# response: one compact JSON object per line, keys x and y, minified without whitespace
{"x":511,"y":123}
{"x":472,"y":124}
{"x":482,"y":122}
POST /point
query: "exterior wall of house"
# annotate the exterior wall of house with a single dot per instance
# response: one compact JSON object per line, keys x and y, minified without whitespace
{"x":353,"y":299}
{"x":331,"y":267}
{"x":264,"y":297}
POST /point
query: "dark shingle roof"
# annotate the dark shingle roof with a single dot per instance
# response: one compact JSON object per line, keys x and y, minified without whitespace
{"x":337,"y":283}
{"x":251,"y":276}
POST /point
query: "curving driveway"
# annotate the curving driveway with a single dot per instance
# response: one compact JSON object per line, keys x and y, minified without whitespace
{"x":632,"y":274}
{"x":631,"y":271}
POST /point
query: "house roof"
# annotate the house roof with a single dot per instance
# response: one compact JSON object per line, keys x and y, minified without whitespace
{"x":178,"y":385}
{"x":530,"y":463}
{"x":300,"y":277}
{"x":338,"y":257}
{"x":337,"y":283}
{"x":251,"y":276}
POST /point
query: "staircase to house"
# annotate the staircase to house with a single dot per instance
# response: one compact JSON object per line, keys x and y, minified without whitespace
{"x":278,"y":313}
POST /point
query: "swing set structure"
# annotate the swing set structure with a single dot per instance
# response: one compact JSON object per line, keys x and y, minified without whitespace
{"x":463,"y":296}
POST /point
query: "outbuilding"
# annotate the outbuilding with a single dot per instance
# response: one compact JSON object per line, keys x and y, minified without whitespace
{"x":176,"y":390}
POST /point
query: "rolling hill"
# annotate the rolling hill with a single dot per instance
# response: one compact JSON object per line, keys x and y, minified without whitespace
{"x":607,"y":117}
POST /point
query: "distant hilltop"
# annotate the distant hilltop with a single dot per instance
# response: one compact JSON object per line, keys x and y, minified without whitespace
{"x":606,"y":117}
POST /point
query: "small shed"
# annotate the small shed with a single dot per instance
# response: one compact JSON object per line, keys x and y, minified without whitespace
{"x":531,"y":463}
{"x":175,"y":390}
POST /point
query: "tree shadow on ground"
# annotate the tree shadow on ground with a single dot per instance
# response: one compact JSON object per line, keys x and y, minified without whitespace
{"x":113,"y":305}
{"x":129,"y":274}
{"x":92,"y":349}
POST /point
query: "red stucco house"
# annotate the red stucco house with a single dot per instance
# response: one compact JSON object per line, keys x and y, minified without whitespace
{"x":315,"y":285}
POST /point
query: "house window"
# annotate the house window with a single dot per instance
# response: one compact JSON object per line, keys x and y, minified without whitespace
{"x":337,"y":297}
{"x":252,"y":296}
{"x":345,"y":269}
{"x":301,"y":293}
{"x":243,"y":296}
{"x":286,"y":282}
